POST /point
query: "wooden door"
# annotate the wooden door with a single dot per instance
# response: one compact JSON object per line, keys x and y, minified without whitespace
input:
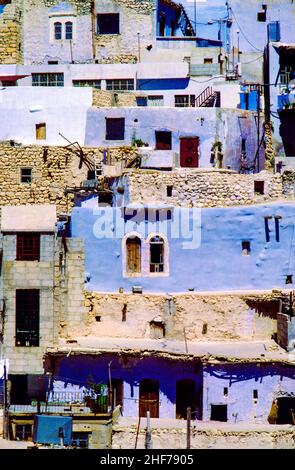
{"x":149,"y":398}
{"x":189,"y":152}
{"x":133,"y":250}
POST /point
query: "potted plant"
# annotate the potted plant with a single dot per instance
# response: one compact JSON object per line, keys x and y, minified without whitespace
{"x":96,"y":396}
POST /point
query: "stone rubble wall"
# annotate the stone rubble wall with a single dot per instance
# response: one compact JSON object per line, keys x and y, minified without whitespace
{"x":205,"y":317}
{"x":193,"y":188}
{"x":107,"y":99}
{"x":169,"y":438}
{"x":53,"y":170}
{"x":10,"y":35}
{"x":135,"y":16}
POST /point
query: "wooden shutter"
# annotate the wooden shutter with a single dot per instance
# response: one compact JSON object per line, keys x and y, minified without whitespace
{"x":133,"y":250}
{"x":41,"y":131}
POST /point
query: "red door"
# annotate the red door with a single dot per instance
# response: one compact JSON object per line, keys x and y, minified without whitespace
{"x":189,"y":152}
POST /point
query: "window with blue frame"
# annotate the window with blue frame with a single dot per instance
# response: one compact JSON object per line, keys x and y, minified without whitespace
{"x":80,"y":440}
{"x":57,"y":30}
{"x":69,"y":30}
{"x":47,"y":79}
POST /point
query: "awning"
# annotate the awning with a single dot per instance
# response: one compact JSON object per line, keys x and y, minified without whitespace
{"x":11,"y":78}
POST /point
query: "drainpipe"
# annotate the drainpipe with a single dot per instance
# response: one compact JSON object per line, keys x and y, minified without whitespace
{"x":92,"y":10}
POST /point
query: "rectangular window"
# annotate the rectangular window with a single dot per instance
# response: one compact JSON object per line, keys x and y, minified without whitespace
{"x":41,"y":131}
{"x":23,"y":432}
{"x":243,"y":145}
{"x":155,"y":100}
{"x":218,"y":413}
{"x":8,"y":83}
{"x":125,"y":84}
{"x":47,"y":79}
{"x":28,"y":247}
{"x":108,"y":23}
{"x":185,"y":101}
{"x":225,"y":391}
{"x":88,"y":83}
{"x":80,"y":440}
{"x":259,"y":187}
{"x":26,"y":175}
{"x":27,"y":317}
{"x":169,"y":191}
{"x":255,"y":394}
{"x":115,"y":129}
{"x":208,"y":60}
{"x":163,"y":140}
{"x":246,"y":247}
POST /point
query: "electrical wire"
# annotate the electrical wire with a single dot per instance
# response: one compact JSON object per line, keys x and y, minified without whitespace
{"x":252,"y":45}
{"x":209,"y":80}
{"x":253,"y":60}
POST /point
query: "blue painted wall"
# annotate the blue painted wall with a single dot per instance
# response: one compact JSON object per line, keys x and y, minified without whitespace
{"x":171,"y":16}
{"x":209,"y":124}
{"x":271,"y":381}
{"x":253,"y":34}
{"x":71,"y":374}
{"x":217,"y":264}
{"x":163,"y":84}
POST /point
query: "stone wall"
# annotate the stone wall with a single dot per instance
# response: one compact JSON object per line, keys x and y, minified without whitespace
{"x":53,"y":170}
{"x":135,"y":16}
{"x":102,"y":98}
{"x":39,"y":45}
{"x":10,"y":35}
{"x":197,"y":188}
{"x":204,"y":317}
{"x":204,"y":437}
{"x":28,"y":275}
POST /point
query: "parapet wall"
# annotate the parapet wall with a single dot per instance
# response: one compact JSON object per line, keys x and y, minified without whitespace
{"x":195,"y":188}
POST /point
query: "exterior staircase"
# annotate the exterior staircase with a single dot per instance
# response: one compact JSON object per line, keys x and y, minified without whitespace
{"x":185,"y":23}
{"x":208,"y":98}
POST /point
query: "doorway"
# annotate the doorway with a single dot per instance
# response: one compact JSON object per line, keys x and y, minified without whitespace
{"x":286,"y":410}
{"x":186,"y":396}
{"x":149,"y":398}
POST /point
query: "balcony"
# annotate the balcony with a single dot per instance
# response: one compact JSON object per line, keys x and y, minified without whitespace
{"x":66,"y":403}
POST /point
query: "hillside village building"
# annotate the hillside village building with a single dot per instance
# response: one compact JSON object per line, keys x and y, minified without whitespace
{"x":146,"y":222}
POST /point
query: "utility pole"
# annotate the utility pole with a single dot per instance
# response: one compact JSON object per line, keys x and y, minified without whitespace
{"x":5,"y":424}
{"x":195,"y":15}
{"x":188,"y":427}
{"x":148,"y":434}
{"x":138,"y":45}
{"x":185,"y":340}
{"x":258,"y":126}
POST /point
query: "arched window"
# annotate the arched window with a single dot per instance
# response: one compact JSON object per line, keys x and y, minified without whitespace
{"x":57,"y":30}
{"x":133,"y":251}
{"x":69,"y":30}
{"x":156,"y":254}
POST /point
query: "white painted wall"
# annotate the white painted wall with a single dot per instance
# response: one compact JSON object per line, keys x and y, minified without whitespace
{"x":63,"y":109}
